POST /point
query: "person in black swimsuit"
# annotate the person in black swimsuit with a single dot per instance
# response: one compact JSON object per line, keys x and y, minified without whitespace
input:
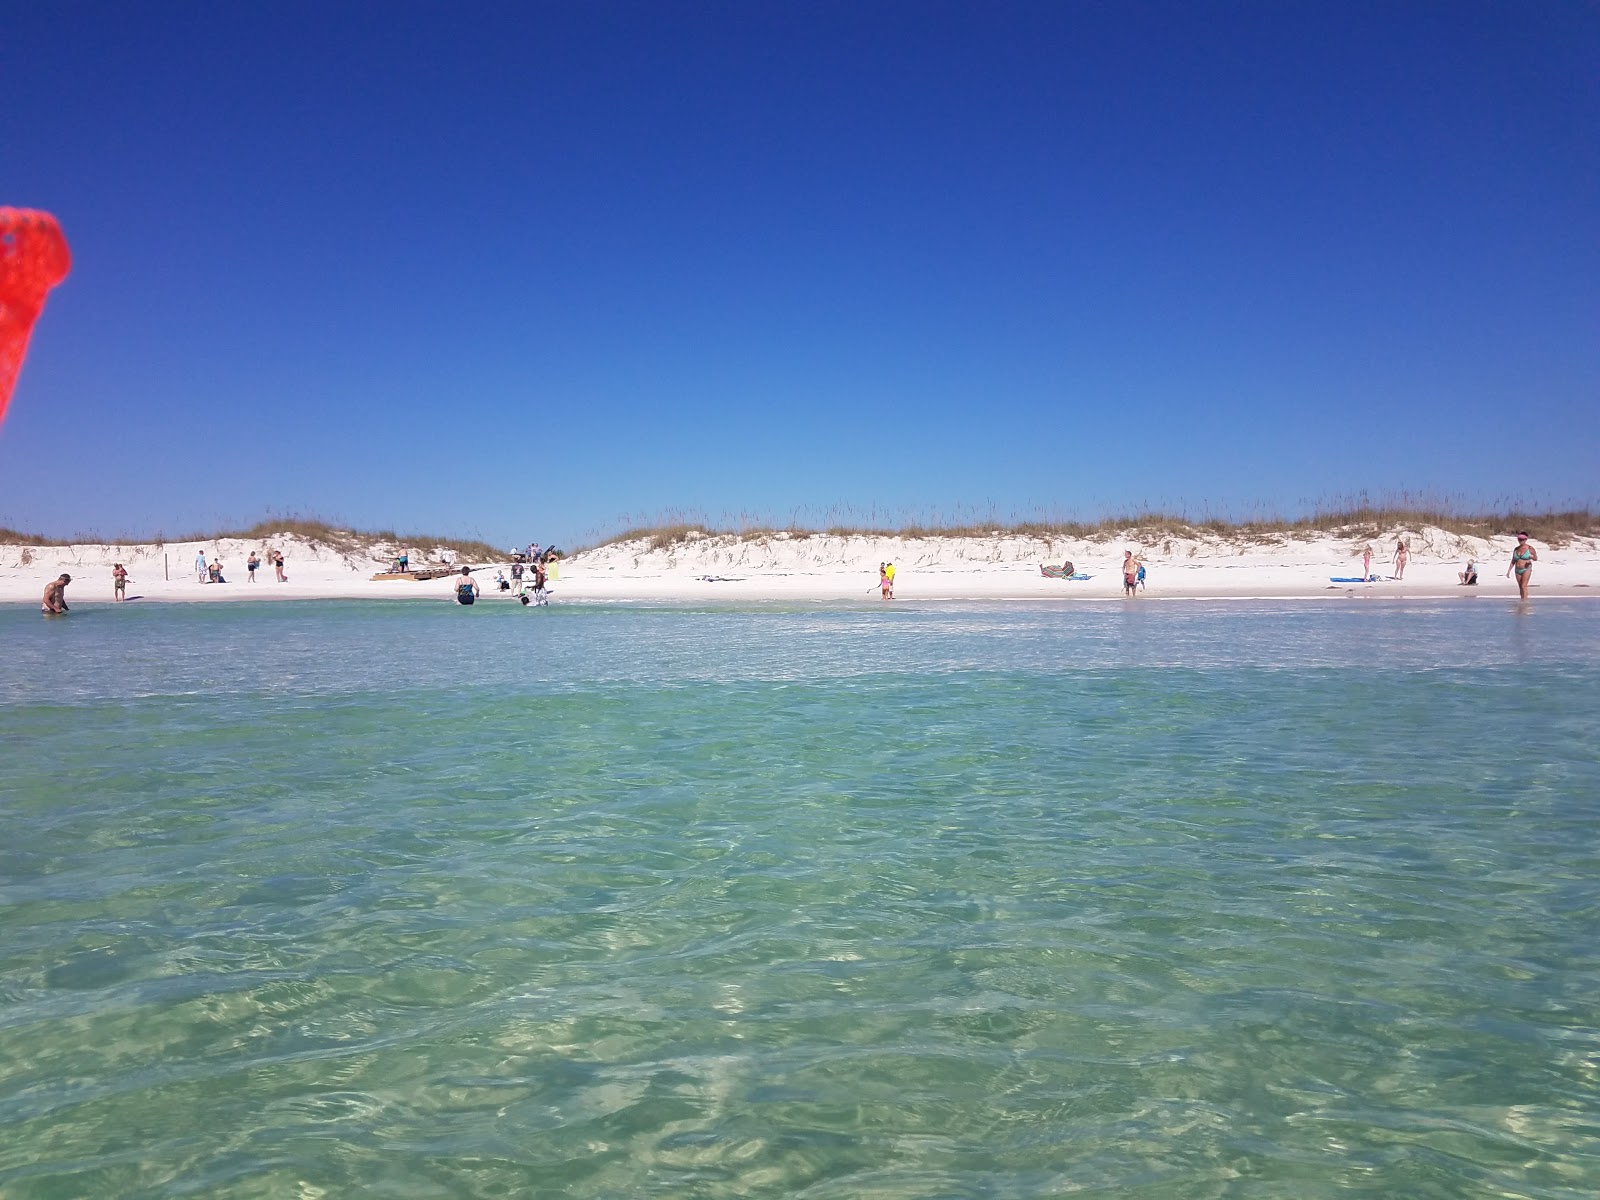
{"x":466,"y":587}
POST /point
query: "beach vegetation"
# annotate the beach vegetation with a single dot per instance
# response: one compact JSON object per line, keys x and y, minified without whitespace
{"x":374,"y":544}
{"x":1359,"y":521}
{"x":14,"y":537}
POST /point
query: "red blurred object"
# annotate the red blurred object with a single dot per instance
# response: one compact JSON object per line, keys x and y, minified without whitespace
{"x":33,"y":259}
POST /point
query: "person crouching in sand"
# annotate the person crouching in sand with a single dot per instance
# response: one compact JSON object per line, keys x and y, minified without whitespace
{"x":55,"y":595}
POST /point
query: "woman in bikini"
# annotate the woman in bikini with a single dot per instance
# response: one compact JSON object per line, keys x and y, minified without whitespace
{"x":1402,"y":553}
{"x":1522,"y":560}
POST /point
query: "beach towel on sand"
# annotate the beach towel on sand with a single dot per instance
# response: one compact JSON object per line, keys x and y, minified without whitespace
{"x":1059,"y":573}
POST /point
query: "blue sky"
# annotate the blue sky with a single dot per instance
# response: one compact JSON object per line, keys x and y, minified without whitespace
{"x":532,"y":271}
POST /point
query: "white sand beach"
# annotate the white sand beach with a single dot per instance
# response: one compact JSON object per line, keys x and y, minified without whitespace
{"x":787,"y":566}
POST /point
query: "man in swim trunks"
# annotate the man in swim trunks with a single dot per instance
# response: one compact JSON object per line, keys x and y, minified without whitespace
{"x":888,"y":572}
{"x":1522,"y":560}
{"x":1130,"y":573}
{"x":119,"y":582}
{"x":55,"y":595}
{"x":200,"y":571}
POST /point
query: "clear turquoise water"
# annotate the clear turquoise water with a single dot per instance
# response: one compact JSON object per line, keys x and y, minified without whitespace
{"x":1155,"y":900}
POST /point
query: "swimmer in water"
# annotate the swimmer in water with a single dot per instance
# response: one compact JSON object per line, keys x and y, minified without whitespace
{"x":55,"y":595}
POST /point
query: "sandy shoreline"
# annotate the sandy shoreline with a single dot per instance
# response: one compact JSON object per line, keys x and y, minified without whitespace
{"x":787,"y":567}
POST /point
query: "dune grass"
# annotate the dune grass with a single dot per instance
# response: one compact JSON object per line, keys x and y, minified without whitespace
{"x":1358,"y":523}
{"x":315,"y":531}
{"x":14,"y":537}
{"x":352,"y":541}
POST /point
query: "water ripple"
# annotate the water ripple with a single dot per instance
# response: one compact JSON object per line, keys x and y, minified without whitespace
{"x":1197,"y":901}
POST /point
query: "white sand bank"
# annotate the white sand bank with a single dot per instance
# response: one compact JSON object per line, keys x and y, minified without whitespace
{"x":790,"y":567}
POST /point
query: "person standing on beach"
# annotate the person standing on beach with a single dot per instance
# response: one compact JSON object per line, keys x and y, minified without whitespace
{"x":1130,"y":573}
{"x":1366,"y":563}
{"x":889,"y":572}
{"x":55,"y":595}
{"x":1522,"y":560}
{"x":200,"y":571}
{"x":119,"y":582}
{"x":250,"y":565}
{"x":883,"y":579}
{"x":1402,"y":554}
{"x":277,"y":565}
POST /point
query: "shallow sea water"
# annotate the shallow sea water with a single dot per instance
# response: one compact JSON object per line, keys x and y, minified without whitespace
{"x":1147,"y":900}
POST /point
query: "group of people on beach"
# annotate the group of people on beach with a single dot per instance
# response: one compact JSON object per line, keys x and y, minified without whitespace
{"x":1402,"y":555}
{"x":536,"y":562}
{"x":1522,"y":559}
{"x":530,"y":577}
{"x":211,"y":572}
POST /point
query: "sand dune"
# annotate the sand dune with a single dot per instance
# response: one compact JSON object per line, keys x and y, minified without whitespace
{"x":796,"y":567}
